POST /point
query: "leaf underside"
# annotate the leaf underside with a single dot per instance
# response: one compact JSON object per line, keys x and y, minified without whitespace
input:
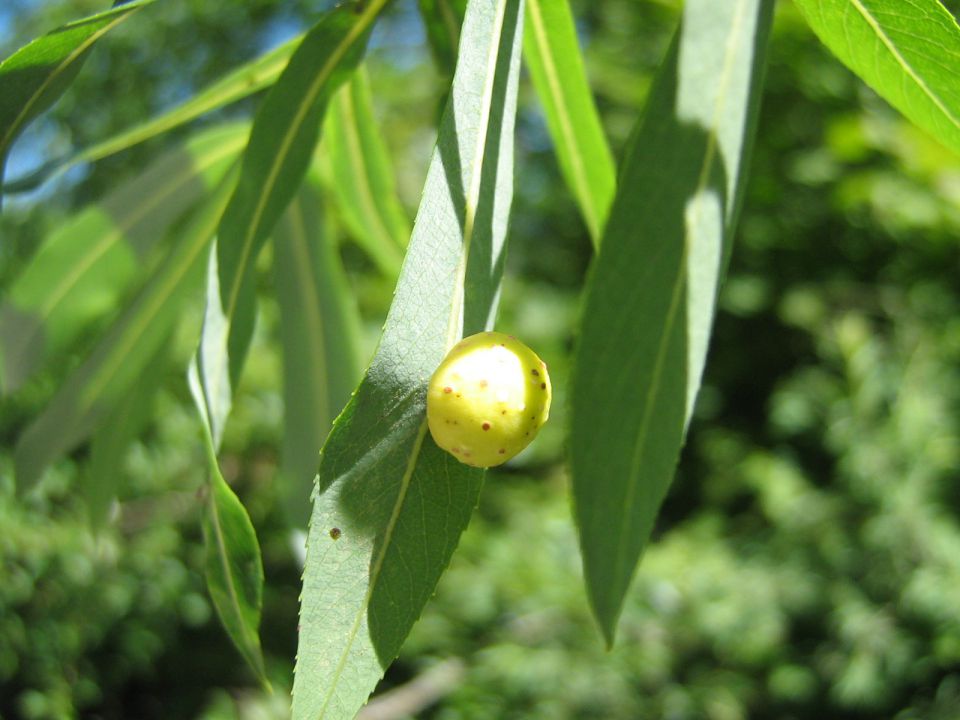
{"x":651,"y":296}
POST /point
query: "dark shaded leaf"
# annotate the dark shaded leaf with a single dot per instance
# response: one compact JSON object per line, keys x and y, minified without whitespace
{"x":652,"y":294}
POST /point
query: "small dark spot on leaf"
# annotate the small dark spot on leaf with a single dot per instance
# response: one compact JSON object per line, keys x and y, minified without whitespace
{"x":335,"y":533}
{"x":503,"y":412}
{"x":543,"y":386}
{"x":486,"y":426}
{"x":502,"y":451}
{"x":535,"y":372}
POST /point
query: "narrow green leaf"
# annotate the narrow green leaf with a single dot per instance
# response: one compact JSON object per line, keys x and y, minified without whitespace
{"x":652,"y":294}
{"x":91,"y":262}
{"x":362,"y":179}
{"x":233,"y":564}
{"x":122,"y":425}
{"x":909,"y":52}
{"x":37,"y":74}
{"x":442,"y":19}
{"x":553,"y":57}
{"x":252,"y":77}
{"x":320,"y":332}
{"x":390,"y":505}
{"x":113,"y":367}
{"x":281,"y":145}
{"x":234,"y":569}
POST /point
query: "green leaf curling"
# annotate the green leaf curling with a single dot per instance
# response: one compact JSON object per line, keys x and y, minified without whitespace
{"x":908,"y":51}
{"x":651,"y":296}
{"x":234,"y":567}
{"x":390,"y":505}
{"x":552,"y":55}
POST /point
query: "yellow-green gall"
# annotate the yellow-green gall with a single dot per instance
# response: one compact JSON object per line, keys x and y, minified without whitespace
{"x":488,"y":399}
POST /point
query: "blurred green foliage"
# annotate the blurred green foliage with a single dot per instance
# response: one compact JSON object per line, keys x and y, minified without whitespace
{"x":807,"y":561}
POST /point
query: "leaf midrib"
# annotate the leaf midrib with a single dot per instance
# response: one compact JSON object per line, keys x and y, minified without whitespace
{"x":902,"y":61}
{"x":24,"y":113}
{"x":306,"y":103}
{"x":676,"y":296}
{"x":470,"y":213}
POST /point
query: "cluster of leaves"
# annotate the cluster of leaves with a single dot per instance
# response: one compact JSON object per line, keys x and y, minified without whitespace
{"x":386,"y":494}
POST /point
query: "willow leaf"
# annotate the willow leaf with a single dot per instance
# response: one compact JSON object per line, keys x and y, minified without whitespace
{"x":234,"y":567}
{"x":92,"y":261}
{"x":123,"y":423}
{"x":652,"y":293}
{"x":99,"y":384}
{"x":275,"y":162}
{"x":320,"y":333}
{"x":36,"y":75}
{"x":908,"y":52}
{"x":552,"y":55}
{"x":390,"y":505}
{"x":442,"y":19}
{"x":246,"y":80}
{"x":362,"y":179}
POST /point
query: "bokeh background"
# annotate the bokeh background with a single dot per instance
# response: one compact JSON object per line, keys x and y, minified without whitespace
{"x":807,"y":560}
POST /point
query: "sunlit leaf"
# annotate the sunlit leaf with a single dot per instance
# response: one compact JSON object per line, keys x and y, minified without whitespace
{"x":362,"y":178}
{"x":252,"y":77}
{"x":390,"y":505}
{"x":652,"y":293}
{"x":909,"y":52}
{"x":553,"y":57}
{"x":320,"y":333}
{"x":91,"y":262}
{"x":37,"y":74}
